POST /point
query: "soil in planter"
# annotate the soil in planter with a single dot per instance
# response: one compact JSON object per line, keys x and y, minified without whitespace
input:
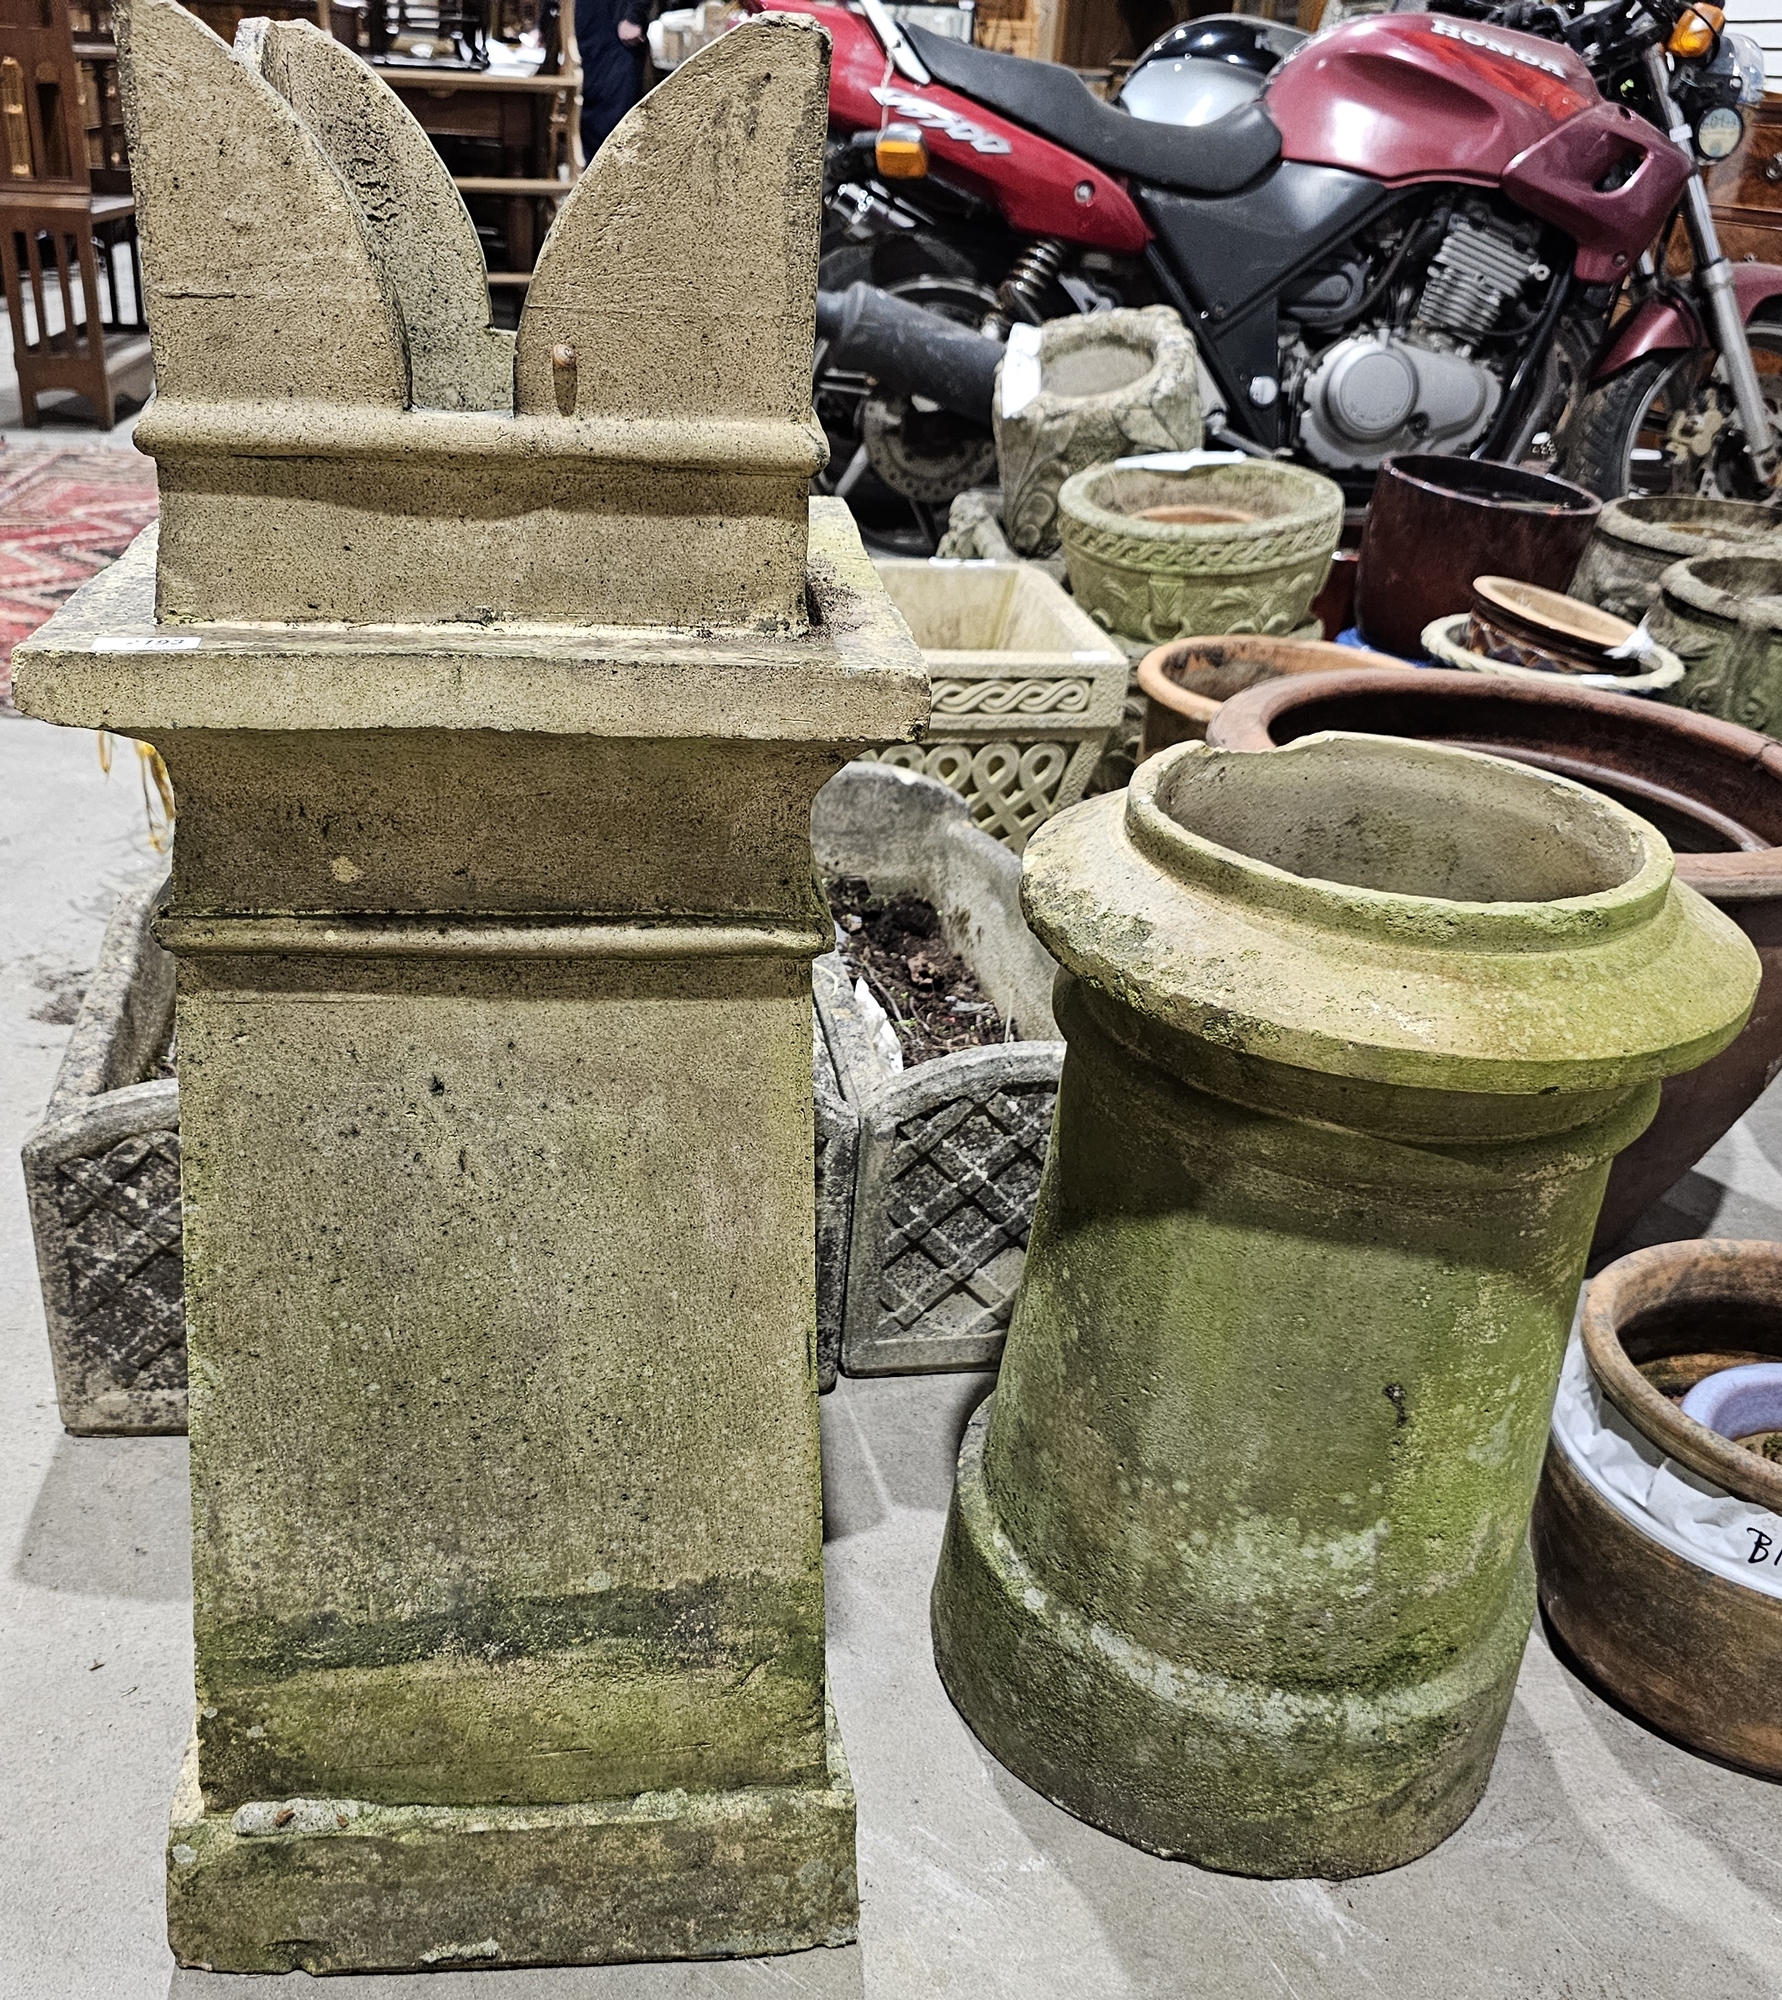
{"x":895,"y":944}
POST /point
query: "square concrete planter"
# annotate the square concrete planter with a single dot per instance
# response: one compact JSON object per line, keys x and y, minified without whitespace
{"x":1027,"y":689}
{"x":102,"y":1176}
{"x":950,"y":1151}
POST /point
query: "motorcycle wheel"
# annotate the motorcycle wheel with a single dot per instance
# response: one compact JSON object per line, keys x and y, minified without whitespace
{"x":1667,"y":426}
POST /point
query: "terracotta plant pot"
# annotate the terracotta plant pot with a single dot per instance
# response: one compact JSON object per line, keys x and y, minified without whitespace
{"x":1677,"y":1609}
{"x":1435,"y":523}
{"x":1185,"y":681}
{"x":1110,"y":385}
{"x":1636,"y":541}
{"x":1722,"y":616}
{"x":1714,"y":792}
{"x":1236,"y":1566}
{"x":1154,"y":579}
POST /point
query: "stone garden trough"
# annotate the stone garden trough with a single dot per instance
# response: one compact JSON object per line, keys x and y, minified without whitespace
{"x":1027,"y":688}
{"x":924,"y":1177}
{"x":102,"y":1176}
{"x":949,"y":1152}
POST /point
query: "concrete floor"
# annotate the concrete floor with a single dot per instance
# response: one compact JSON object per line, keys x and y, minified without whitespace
{"x":1604,"y":1864}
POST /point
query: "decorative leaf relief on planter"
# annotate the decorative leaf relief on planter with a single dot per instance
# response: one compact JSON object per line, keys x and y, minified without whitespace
{"x":1157,"y":607}
{"x":1010,"y":789}
{"x":121,"y":1239}
{"x":962,"y":1184}
{"x":1022,"y":697}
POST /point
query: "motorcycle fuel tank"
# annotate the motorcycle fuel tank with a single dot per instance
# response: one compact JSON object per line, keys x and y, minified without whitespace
{"x":1419,"y":97}
{"x":1407,"y":97}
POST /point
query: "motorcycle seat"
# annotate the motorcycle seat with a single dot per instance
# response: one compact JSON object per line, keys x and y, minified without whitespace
{"x":1056,"y":103}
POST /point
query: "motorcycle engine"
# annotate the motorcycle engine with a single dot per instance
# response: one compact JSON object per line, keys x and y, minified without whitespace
{"x":1416,"y":383}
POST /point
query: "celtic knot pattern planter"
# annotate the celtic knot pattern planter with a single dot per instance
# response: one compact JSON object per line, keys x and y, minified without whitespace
{"x":1161,"y":579}
{"x":1237,"y":1565}
{"x":949,"y":1152}
{"x":1110,"y":385}
{"x":102,"y":1174}
{"x":1026,"y":689}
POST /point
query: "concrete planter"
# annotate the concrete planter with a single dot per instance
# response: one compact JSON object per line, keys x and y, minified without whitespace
{"x":1161,"y":578}
{"x":102,"y":1175}
{"x":1026,"y":688}
{"x":1236,"y":1566}
{"x":1722,"y":617}
{"x":1636,"y":541}
{"x":949,"y":1152}
{"x":1655,"y":1539}
{"x":1103,"y":386}
{"x":1713,"y":790}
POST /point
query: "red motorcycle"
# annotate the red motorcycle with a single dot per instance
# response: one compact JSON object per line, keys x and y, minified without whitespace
{"x":1413,"y":231}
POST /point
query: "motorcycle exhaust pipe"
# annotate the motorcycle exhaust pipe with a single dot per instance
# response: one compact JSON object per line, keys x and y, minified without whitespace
{"x":916,"y":352}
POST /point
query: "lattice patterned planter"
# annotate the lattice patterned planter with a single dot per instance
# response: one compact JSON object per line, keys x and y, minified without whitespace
{"x":1027,"y":689}
{"x":949,"y":1152}
{"x":102,"y":1175}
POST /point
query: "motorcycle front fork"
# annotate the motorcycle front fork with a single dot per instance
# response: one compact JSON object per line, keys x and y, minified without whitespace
{"x":1715,"y":274}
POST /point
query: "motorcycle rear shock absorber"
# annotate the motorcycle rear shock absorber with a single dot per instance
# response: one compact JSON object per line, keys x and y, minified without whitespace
{"x":1019,"y":295}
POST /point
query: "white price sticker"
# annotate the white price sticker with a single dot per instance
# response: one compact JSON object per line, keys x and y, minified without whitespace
{"x":145,"y":642}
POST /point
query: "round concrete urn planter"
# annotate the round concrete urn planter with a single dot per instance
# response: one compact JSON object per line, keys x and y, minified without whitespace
{"x":1106,"y":386}
{"x":1636,"y":541}
{"x":1219,"y":548}
{"x":1185,"y":682}
{"x":1658,"y":1542}
{"x":1722,"y":617}
{"x":1713,"y":790}
{"x":1236,"y":1566}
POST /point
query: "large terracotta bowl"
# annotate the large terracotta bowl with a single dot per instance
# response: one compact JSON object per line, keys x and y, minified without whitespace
{"x":1185,"y":681}
{"x":1677,"y":1640}
{"x":1712,"y":789}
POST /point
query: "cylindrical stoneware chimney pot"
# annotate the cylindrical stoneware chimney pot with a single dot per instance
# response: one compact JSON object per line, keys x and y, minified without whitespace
{"x":1237,"y":1560}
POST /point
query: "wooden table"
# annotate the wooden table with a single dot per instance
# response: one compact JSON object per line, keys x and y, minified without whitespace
{"x":529,"y":117}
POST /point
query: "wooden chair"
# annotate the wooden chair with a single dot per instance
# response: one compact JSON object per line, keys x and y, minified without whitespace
{"x":67,"y":216}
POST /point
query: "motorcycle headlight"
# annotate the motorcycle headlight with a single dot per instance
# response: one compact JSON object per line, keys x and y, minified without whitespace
{"x":1747,"y":59}
{"x":1719,"y":132}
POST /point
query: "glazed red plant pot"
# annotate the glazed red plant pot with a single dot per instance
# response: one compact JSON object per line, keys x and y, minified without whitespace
{"x":1435,"y":523}
{"x":1712,"y":789}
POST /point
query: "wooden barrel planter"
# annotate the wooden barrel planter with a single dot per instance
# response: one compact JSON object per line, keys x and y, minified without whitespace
{"x":1713,"y":790}
{"x":1184,"y":682}
{"x":1722,"y":616}
{"x":1158,"y":555}
{"x":1657,"y":1541}
{"x":1437,"y":522}
{"x":1636,"y":541}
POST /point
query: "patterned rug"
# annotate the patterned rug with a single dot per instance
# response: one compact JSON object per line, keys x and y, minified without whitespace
{"x":65,"y":512}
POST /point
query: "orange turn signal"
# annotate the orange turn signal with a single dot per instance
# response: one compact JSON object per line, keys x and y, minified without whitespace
{"x":901,"y":153}
{"x":1695,"y":31}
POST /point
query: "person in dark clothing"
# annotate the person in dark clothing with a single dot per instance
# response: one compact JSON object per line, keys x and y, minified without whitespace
{"x":610,"y":35}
